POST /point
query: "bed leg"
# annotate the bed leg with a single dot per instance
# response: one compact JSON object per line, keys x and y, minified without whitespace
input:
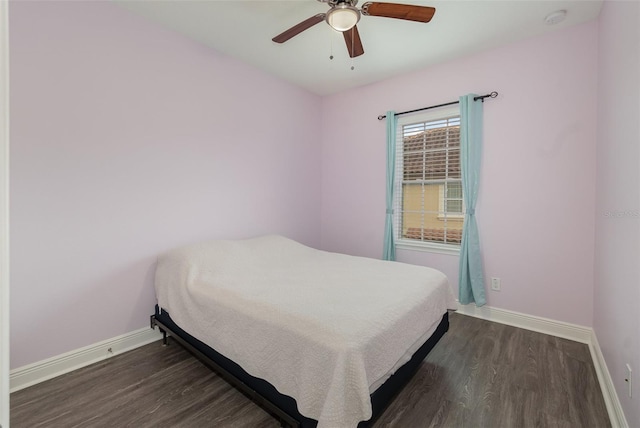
{"x":165,"y":338}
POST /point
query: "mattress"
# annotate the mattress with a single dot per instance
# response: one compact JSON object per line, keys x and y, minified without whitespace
{"x":324,"y":328}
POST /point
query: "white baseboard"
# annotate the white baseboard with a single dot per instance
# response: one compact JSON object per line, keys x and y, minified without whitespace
{"x":32,"y":374}
{"x":616,"y":414}
{"x":551,"y":327}
{"x":566,"y":331}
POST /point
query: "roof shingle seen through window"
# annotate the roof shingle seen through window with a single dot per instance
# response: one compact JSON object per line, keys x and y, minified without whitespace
{"x":425,"y":154}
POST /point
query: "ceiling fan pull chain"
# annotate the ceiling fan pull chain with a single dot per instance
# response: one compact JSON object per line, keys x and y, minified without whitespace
{"x":353,"y":36}
{"x":331,"y":45}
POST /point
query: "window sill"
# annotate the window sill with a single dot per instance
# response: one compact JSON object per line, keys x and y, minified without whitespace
{"x":430,"y":247}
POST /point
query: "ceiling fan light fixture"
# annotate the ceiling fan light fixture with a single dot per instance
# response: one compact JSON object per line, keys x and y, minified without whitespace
{"x":343,"y":17}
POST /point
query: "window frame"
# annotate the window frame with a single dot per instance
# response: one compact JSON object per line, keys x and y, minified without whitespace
{"x":412,"y":244}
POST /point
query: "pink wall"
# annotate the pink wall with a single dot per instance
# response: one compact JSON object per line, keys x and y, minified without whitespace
{"x":617,"y":249}
{"x":537,"y":196}
{"x":127,"y":140}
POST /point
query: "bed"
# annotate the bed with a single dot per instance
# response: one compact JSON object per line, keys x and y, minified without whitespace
{"x":321,"y":339}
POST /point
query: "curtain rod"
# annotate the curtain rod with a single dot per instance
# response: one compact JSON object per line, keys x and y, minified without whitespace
{"x":480,"y":97}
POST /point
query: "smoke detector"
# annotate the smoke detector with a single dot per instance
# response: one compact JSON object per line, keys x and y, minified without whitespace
{"x":555,"y":17}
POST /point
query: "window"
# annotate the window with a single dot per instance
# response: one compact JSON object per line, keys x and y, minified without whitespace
{"x":429,"y":205}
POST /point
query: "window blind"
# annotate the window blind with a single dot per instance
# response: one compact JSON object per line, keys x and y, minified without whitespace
{"x":429,"y":205}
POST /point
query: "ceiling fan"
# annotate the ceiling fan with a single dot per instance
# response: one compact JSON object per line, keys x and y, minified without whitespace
{"x":344,"y":15}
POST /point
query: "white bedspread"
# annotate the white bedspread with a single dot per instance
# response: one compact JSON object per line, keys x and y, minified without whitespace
{"x":324,"y":328}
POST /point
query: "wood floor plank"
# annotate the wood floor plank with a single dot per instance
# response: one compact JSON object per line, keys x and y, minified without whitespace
{"x":481,"y":374}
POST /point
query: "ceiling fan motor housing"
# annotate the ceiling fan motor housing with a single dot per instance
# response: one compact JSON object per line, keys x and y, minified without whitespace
{"x":336,"y":2}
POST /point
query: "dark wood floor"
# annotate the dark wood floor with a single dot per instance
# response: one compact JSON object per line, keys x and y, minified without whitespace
{"x":481,"y":374}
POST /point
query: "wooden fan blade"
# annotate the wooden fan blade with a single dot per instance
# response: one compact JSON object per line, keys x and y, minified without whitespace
{"x":354,"y":44}
{"x":399,"y":11}
{"x":297,"y":29}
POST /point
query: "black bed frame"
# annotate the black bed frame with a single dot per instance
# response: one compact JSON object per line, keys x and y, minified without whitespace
{"x":264,"y":394}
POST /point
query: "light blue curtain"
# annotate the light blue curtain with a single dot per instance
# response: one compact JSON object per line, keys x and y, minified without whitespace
{"x":389,"y":251}
{"x":471,"y":277}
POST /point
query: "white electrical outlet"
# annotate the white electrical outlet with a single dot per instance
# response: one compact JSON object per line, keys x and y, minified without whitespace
{"x":629,"y":380}
{"x":495,"y":284}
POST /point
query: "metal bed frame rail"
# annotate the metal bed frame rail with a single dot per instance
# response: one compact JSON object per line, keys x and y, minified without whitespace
{"x":285,"y":419}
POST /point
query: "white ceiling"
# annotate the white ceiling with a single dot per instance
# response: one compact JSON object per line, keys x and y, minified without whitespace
{"x":244,"y":29}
